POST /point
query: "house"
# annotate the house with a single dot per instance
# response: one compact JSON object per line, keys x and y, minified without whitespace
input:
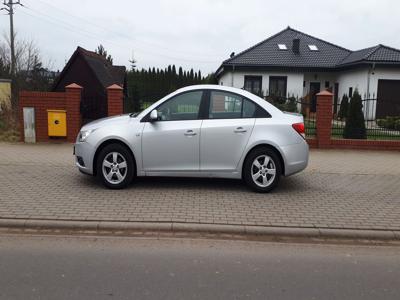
{"x":293,"y":63}
{"x":94,"y":73}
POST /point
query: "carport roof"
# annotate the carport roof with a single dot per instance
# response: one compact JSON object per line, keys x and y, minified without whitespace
{"x":379,"y":53}
{"x":106,"y":73}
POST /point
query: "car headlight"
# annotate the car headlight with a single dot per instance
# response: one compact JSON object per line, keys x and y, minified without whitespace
{"x":83,"y":134}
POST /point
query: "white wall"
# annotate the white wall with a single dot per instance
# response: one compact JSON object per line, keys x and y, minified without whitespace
{"x":320,"y":77}
{"x":236,"y":79}
{"x":357,"y":79}
{"x":363,"y":79}
{"x":382,"y":73}
{"x":366,"y":81}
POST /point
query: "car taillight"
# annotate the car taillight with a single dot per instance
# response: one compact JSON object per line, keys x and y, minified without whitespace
{"x":299,"y":127}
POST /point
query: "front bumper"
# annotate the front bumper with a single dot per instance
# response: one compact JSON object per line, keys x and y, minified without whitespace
{"x":84,"y":153}
{"x":296,"y":157}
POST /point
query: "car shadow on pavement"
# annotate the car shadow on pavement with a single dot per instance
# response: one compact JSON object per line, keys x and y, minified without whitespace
{"x":286,"y":185}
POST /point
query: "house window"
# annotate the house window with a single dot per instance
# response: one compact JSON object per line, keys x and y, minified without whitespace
{"x":350,"y":92}
{"x":277,"y":86}
{"x":282,"y":47}
{"x":252,"y":84}
{"x":313,"y":47}
{"x":326,"y":84}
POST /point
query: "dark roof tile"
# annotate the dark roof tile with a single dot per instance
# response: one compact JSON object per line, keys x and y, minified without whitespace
{"x":267,"y":53}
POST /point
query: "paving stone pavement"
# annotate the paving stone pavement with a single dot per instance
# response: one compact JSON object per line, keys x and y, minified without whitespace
{"x":339,"y":189}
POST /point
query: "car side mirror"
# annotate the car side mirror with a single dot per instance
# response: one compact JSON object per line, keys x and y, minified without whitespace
{"x":154,"y":115}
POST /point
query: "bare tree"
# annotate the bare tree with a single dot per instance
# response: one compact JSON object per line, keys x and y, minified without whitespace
{"x":30,"y":74}
{"x":27,"y":54}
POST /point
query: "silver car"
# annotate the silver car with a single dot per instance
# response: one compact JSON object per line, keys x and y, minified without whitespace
{"x":196,"y":131}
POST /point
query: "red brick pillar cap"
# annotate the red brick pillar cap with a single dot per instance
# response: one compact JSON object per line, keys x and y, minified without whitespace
{"x":325,"y":93}
{"x":114,"y":87}
{"x":73,"y":86}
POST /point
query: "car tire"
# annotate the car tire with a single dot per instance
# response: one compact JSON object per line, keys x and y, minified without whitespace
{"x":263,"y":176}
{"x":115,"y":166}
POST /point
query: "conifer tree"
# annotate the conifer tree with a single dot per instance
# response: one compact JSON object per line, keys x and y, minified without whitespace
{"x":344,"y":106}
{"x":180,"y":73}
{"x":355,"y":123}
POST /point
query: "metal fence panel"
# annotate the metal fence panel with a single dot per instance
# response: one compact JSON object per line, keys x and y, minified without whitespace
{"x":377,"y":129}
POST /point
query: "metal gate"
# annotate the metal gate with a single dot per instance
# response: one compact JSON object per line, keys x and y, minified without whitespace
{"x":29,"y":125}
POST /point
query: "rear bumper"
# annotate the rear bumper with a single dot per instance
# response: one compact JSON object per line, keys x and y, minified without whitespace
{"x":84,"y":157}
{"x":296,"y":157}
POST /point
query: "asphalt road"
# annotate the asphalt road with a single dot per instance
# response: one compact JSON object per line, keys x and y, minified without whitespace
{"x":40,"y":267}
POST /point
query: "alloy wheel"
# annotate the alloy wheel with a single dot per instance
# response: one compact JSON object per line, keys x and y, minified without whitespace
{"x":263,"y":171}
{"x":114,"y":167}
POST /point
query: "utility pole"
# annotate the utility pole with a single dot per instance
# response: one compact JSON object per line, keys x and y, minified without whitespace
{"x":10,"y":9}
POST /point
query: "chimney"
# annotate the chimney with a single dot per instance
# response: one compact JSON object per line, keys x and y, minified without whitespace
{"x":296,"y":46}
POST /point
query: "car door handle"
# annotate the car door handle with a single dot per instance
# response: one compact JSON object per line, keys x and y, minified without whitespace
{"x":240,"y":130}
{"x":190,"y":133}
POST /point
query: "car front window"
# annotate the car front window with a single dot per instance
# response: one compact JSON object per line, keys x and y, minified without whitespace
{"x":185,"y":106}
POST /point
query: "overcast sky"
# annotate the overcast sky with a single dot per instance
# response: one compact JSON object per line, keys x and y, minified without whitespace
{"x":198,"y":34}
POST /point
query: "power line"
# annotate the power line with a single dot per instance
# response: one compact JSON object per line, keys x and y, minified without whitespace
{"x":119,"y":34}
{"x":70,"y":27}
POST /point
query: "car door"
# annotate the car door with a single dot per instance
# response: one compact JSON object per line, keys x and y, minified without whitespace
{"x":224,"y":135}
{"x":172,"y":143}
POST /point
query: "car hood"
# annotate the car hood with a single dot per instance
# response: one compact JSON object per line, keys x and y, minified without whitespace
{"x":106,"y":121}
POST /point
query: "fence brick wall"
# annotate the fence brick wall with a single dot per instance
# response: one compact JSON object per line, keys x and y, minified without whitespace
{"x":324,"y":119}
{"x":324,"y":139}
{"x":73,"y":94}
{"x":43,"y":101}
{"x":115,"y":100}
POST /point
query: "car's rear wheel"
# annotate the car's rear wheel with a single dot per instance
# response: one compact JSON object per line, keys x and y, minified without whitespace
{"x":262,"y":170}
{"x":115,"y":166}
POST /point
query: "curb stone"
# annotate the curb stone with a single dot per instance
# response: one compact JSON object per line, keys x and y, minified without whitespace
{"x":145,"y":226}
{"x":266,"y":231}
{"x":359,"y":234}
{"x":282,"y":231}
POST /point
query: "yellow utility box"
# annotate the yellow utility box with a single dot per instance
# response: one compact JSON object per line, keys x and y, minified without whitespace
{"x":57,"y":122}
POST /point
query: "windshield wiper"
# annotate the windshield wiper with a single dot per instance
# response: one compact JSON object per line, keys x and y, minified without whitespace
{"x":133,"y":115}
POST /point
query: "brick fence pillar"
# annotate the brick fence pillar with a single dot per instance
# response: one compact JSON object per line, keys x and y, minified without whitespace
{"x":73,"y":94}
{"x":115,"y":100}
{"x":324,"y":119}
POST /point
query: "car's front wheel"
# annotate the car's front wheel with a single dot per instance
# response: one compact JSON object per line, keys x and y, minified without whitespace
{"x":262,"y":170}
{"x":115,"y":166}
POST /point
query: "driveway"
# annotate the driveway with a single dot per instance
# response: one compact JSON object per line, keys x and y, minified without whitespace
{"x":339,"y":189}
